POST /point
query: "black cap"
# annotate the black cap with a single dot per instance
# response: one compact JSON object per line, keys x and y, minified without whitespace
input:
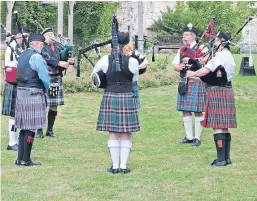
{"x":123,"y":38}
{"x":47,"y":30}
{"x":190,"y":28}
{"x":223,"y":36}
{"x":36,"y":37}
{"x":15,"y":32}
{"x":25,"y":30}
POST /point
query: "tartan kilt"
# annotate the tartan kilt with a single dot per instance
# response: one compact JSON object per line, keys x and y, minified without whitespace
{"x":30,"y":109}
{"x":194,"y":100}
{"x":9,"y":99}
{"x":220,"y":108}
{"x":59,"y":98}
{"x":118,"y":113}
{"x":136,"y":93}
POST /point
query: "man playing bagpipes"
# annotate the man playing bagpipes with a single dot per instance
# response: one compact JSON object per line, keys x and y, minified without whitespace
{"x":12,"y":53}
{"x":56,"y":63}
{"x":220,"y":112}
{"x":191,"y":91}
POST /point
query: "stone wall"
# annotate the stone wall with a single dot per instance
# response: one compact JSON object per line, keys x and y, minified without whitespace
{"x":127,"y":15}
{"x":249,"y":37}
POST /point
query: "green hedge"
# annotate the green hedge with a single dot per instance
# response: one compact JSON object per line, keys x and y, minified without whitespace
{"x":159,"y":73}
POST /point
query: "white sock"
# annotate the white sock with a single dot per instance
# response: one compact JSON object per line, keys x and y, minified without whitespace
{"x":12,"y":134}
{"x":188,"y":124}
{"x":114,"y":148}
{"x":198,"y":127}
{"x":125,"y":149}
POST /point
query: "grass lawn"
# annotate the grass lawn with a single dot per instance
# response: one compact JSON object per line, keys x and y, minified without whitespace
{"x":75,"y":161}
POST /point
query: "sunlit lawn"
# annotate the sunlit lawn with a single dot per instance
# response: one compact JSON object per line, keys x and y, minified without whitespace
{"x":75,"y":161}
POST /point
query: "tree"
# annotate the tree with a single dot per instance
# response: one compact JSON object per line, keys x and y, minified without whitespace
{"x":9,"y":8}
{"x":70,"y":21}
{"x":60,"y":18}
{"x":227,"y":17}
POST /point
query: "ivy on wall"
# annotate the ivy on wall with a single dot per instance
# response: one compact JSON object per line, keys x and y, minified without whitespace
{"x":93,"y":20}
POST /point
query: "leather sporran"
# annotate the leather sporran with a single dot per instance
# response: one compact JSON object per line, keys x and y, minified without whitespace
{"x":54,"y":87}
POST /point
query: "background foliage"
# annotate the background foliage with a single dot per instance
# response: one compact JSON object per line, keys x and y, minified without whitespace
{"x":159,"y":73}
{"x":228,"y":16}
{"x":92,"y":20}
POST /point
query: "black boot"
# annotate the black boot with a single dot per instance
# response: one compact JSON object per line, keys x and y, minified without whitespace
{"x":20,"y":148}
{"x":40,"y":133}
{"x":220,"y":139}
{"x":51,"y":118}
{"x":28,"y":143}
{"x":227,"y":150}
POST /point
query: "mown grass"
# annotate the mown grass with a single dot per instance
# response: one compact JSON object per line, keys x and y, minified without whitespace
{"x":75,"y":161}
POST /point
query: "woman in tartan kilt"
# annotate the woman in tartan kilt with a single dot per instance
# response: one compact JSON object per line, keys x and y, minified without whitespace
{"x":193,"y":100}
{"x":10,"y":87}
{"x":118,"y":113}
{"x":33,"y":80}
{"x":220,"y":112}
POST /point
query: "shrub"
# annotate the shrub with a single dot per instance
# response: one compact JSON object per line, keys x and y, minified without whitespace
{"x":156,"y":75}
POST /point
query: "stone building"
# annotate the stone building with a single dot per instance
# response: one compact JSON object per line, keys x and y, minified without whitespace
{"x":128,"y":14}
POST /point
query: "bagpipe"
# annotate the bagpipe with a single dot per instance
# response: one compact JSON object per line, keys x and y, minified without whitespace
{"x":65,"y":48}
{"x":99,"y":78}
{"x":11,"y":68}
{"x":63,"y":45}
{"x":219,"y":76}
{"x":24,"y":44}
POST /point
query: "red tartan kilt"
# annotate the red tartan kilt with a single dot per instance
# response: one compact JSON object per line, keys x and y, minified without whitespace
{"x":220,"y":109}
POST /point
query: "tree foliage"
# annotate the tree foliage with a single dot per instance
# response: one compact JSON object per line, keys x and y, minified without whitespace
{"x":32,"y":11}
{"x":92,"y":19}
{"x":228,"y":17}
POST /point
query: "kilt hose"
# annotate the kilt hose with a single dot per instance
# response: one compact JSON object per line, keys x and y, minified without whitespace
{"x":59,"y":98}
{"x":194,"y":100}
{"x":136,"y":93}
{"x":9,"y":99}
{"x":118,"y":113}
{"x":220,"y":108}
{"x":30,"y":109}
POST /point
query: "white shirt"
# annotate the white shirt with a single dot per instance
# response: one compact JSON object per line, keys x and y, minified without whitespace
{"x":8,"y":53}
{"x":103,"y":65}
{"x":176,"y":60}
{"x":225,"y":59}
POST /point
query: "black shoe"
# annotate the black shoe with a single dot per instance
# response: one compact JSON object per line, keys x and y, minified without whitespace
{"x":125,"y":171}
{"x":50,"y":134}
{"x":218,"y":163}
{"x":18,"y":162}
{"x":228,"y":161}
{"x":113,"y":171}
{"x":14,"y":147}
{"x":196,"y":142}
{"x":30,"y":163}
{"x":39,"y":133}
{"x":185,"y":141}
